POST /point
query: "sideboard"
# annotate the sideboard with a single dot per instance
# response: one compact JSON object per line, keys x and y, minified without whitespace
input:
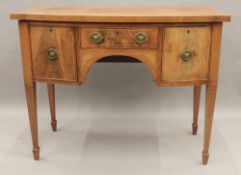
{"x":179,"y":46}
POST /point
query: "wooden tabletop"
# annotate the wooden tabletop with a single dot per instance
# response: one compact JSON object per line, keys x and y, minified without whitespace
{"x":122,"y":14}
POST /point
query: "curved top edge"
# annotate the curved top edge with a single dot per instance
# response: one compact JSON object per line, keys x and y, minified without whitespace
{"x":122,"y":14}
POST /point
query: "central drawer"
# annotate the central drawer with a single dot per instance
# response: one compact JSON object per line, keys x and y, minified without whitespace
{"x":119,"y":37}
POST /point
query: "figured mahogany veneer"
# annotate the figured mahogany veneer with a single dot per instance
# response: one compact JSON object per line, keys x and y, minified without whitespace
{"x":179,"y":46}
{"x":176,"y":40}
{"x":63,"y":40}
{"x":119,"y":37}
{"x":111,"y":14}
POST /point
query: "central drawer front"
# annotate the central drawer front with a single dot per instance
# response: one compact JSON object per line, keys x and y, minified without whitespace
{"x":119,"y":37}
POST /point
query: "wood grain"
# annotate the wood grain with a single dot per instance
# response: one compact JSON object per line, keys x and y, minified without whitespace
{"x":117,"y":25}
{"x":26,"y":52}
{"x":51,"y":95}
{"x":183,"y":83}
{"x":121,"y":14}
{"x":171,"y":31}
{"x":211,"y":88}
{"x":31,"y":98}
{"x":89,"y":56}
{"x":196,"y":105}
{"x":176,"y":41}
{"x":30,"y":86}
{"x":119,"y":37}
{"x":62,"y":39}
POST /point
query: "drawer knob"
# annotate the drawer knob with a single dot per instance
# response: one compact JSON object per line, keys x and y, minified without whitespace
{"x":141,"y":38}
{"x":187,"y":56}
{"x":96,"y":37}
{"x":52,"y":54}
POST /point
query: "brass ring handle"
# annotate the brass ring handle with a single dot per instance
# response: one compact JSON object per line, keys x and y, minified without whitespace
{"x":96,"y":37}
{"x":141,"y":38}
{"x":187,"y":56}
{"x":52,"y":54}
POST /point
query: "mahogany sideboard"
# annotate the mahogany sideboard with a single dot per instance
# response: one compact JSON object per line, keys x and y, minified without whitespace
{"x":179,"y":46}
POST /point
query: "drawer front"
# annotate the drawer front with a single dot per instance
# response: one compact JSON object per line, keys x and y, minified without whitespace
{"x":53,"y":53}
{"x":119,"y":37}
{"x":186,"y":53}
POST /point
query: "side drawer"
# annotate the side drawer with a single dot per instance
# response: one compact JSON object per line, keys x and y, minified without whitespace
{"x":53,"y":53}
{"x":186,"y":53}
{"x":119,"y":37}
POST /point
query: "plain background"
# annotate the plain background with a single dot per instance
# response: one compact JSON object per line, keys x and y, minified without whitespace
{"x":119,"y":121}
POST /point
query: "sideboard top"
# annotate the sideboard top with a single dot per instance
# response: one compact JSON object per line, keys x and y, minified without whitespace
{"x":122,"y":14}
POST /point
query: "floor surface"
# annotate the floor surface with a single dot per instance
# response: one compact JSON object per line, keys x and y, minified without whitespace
{"x":105,"y":128}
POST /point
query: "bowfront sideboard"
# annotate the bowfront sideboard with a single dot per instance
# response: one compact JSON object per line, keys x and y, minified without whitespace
{"x":179,"y":46}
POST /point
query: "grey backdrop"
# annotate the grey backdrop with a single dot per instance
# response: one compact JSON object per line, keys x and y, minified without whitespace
{"x":123,"y":90}
{"x":103,"y":75}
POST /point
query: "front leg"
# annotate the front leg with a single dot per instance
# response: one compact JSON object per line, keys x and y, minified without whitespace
{"x":211,"y":88}
{"x":31,"y":98}
{"x":210,"y":103}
